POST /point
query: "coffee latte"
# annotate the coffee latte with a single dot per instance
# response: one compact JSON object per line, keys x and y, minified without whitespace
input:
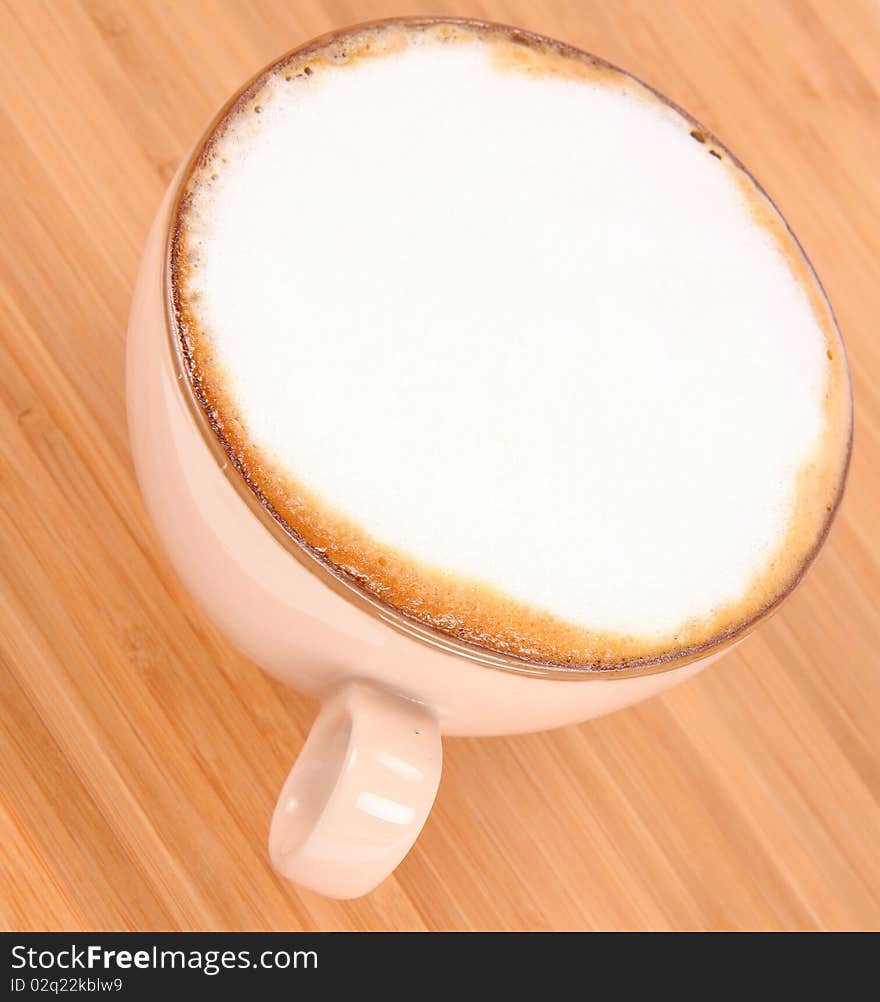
{"x":510,"y":344}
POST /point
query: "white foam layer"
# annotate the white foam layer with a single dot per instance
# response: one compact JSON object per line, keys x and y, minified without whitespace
{"x":522,"y":329}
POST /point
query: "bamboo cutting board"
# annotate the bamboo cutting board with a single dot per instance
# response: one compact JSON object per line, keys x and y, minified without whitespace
{"x":140,"y":756}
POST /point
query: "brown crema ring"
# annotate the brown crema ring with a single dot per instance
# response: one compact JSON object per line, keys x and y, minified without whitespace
{"x":463,"y":616}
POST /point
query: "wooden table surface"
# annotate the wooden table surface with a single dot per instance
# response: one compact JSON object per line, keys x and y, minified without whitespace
{"x":140,"y":755}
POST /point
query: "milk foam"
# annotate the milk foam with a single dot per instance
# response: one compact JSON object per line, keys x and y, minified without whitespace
{"x":520,"y":328}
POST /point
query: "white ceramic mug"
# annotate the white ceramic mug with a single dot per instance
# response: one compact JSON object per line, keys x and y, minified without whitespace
{"x":366,"y":778}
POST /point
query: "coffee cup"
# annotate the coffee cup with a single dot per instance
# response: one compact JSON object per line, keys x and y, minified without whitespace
{"x":390,"y":681}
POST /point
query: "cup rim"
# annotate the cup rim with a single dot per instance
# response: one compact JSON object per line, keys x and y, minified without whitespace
{"x":315,"y":562}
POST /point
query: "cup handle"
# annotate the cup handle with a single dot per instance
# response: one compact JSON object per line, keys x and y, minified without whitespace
{"x":359,"y":792}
